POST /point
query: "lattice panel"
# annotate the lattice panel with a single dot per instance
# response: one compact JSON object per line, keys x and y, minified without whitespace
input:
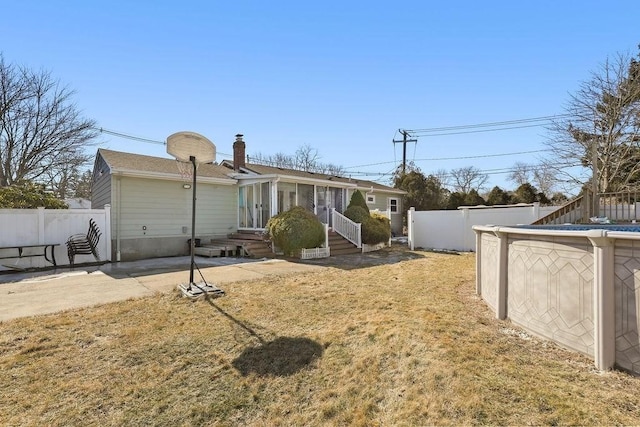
{"x":627,"y":294}
{"x":550,"y":290}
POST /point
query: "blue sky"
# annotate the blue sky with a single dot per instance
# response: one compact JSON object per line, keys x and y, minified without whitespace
{"x":340,"y":76}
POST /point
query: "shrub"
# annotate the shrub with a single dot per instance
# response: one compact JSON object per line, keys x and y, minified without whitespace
{"x":376,"y":229}
{"x":357,"y":199}
{"x":356,"y":214}
{"x":28,"y":195}
{"x":294,"y":230}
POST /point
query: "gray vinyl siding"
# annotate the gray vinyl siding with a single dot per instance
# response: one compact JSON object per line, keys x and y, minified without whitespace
{"x":101,"y":186}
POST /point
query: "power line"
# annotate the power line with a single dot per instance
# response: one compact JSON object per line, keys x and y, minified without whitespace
{"x":138,"y":138}
{"x":497,"y":171}
{"x":479,"y":156}
{"x":131,"y":137}
{"x":483,"y":156}
{"x":479,"y":130}
{"x":489,"y":124}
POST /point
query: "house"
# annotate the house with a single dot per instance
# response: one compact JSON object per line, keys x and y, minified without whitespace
{"x":151,"y":201}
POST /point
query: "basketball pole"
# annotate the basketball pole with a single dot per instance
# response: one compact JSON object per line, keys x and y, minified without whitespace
{"x":193,"y":220}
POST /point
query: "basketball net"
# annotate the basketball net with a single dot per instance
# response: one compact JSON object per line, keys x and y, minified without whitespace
{"x":186,"y":170}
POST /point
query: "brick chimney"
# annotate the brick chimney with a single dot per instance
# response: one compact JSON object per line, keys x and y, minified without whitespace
{"x":238,"y":153}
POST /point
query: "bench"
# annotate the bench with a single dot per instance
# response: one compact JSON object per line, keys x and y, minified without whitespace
{"x":32,"y":252}
{"x":81,"y":244}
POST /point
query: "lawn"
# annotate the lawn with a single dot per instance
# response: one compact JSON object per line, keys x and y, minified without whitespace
{"x":402,"y":343}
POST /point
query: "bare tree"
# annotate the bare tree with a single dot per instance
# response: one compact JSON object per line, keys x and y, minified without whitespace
{"x":305,"y":159}
{"x":82,"y":185}
{"x":465,"y":179}
{"x":543,"y":176}
{"x":520,"y":173}
{"x":442,"y":175}
{"x":602,"y":125}
{"x":42,"y":134}
{"x":63,"y":182}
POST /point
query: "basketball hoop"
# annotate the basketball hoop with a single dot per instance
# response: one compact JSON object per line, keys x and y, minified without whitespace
{"x":185,"y":145}
{"x":186,"y":170}
{"x":190,"y":149}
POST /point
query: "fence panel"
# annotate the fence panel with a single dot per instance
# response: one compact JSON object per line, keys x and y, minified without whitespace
{"x":452,"y":229}
{"x":52,"y":226}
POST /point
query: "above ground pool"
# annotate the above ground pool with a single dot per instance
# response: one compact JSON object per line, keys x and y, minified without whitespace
{"x":577,"y":285}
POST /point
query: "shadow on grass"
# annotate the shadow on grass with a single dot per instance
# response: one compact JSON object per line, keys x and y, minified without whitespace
{"x":281,"y":357}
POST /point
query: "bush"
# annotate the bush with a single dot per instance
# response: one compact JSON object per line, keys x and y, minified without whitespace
{"x":356,"y":214}
{"x":376,"y":229}
{"x":28,"y":195}
{"x":357,"y":199}
{"x":294,"y":230}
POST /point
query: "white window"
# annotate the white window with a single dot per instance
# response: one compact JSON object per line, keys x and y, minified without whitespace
{"x":371,"y":199}
{"x":393,"y":205}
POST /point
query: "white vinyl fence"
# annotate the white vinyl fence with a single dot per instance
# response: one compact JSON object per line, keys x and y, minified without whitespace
{"x":51,"y":226}
{"x":451,"y":229}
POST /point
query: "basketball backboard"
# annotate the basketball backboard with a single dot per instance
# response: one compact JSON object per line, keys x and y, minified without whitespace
{"x":184,"y":145}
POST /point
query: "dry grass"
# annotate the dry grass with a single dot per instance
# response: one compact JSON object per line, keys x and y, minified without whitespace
{"x":407,"y":343}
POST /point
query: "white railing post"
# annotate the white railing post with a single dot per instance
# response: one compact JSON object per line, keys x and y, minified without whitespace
{"x":333,"y":217}
{"x":326,"y":235}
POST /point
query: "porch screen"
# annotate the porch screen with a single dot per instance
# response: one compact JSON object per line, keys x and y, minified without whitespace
{"x":305,"y":197}
{"x":286,"y":196}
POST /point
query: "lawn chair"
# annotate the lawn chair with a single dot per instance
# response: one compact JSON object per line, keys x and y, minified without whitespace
{"x":80,"y":244}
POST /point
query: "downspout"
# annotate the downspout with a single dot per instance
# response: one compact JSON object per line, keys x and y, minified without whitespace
{"x":368,"y":192}
{"x":118,"y":218}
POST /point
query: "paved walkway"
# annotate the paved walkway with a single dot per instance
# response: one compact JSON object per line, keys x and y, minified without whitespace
{"x":35,"y":293}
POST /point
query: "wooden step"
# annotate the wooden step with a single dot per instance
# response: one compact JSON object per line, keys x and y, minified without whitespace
{"x":246,"y":236}
{"x":345,"y":251}
{"x":254,"y":248}
{"x":206,"y":251}
{"x":341,"y":246}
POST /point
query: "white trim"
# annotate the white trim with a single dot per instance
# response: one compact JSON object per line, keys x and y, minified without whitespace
{"x":298,"y":180}
{"x":170,"y":177}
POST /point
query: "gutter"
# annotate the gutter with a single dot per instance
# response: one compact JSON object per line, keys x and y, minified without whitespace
{"x":171,"y":177}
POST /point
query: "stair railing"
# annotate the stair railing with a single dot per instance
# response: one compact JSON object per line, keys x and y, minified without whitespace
{"x":352,"y":231}
{"x":575,"y":210}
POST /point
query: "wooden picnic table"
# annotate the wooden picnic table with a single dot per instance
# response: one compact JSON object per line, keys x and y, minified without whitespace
{"x":32,"y":252}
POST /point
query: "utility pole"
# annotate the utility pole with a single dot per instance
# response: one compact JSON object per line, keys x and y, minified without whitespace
{"x":405,"y":139}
